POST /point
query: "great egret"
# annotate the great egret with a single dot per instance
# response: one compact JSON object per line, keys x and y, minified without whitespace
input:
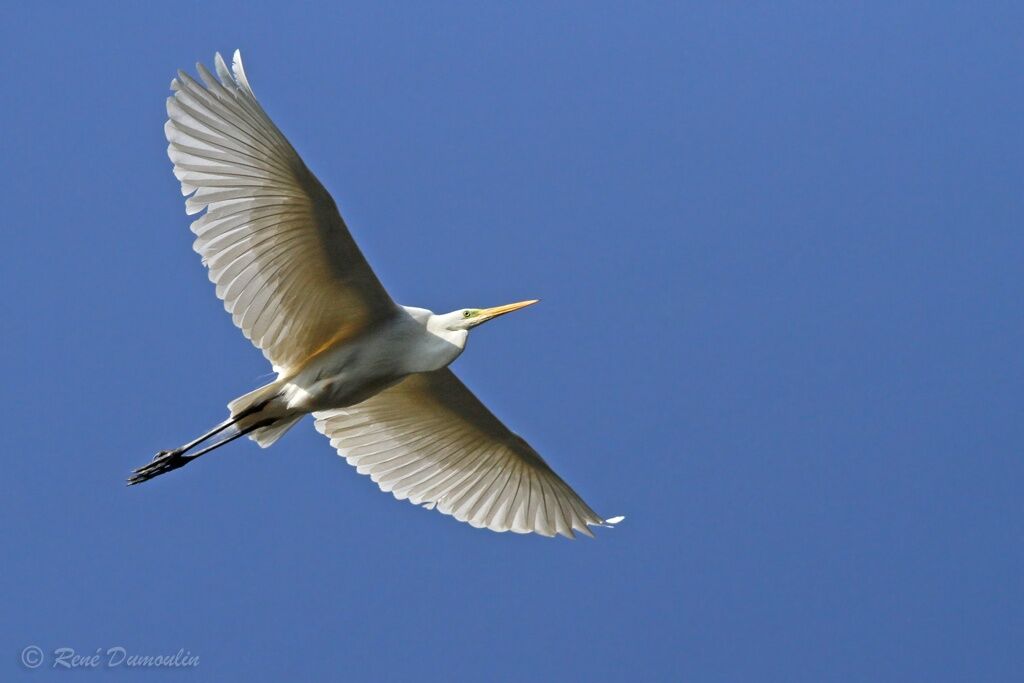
{"x":373,"y":374}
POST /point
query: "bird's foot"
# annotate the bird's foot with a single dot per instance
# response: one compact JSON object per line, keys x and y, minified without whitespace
{"x":162,"y":462}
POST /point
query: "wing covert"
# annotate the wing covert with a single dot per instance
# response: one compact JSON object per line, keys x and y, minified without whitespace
{"x":275,"y":245}
{"x":428,"y":439}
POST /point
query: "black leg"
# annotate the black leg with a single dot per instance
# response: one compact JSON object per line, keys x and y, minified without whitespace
{"x":213,"y":432}
{"x":167,"y":461}
{"x":180,"y":450}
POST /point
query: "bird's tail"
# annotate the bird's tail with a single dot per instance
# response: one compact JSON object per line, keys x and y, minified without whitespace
{"x":259,"y":406}
{"x":266,"y":436}
{"x":255,"y":401}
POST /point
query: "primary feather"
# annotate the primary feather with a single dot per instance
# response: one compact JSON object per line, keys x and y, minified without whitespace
{"x":282,"y":259}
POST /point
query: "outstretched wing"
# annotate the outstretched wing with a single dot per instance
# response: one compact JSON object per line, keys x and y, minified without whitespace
{"x":429,"y":439}
{"x":283,"y":261}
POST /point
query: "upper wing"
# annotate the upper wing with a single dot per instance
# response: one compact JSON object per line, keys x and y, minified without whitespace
{"x":429,"y":439}
{"x":283,"y":261}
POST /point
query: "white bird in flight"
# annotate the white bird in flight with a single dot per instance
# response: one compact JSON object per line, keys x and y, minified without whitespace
{"x":374,"y":374}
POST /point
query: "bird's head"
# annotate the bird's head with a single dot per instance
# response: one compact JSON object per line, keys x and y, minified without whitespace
{"x":467,"y":318}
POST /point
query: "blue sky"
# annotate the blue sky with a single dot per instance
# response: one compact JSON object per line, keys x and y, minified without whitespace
{"x":779,"y":251}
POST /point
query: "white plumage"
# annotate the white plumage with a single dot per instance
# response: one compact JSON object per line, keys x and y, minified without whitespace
{"x":374,"y":374}
{"x":276,"y":247}
{"x":429,"y":440}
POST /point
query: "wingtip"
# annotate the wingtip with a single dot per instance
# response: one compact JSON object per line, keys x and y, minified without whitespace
{"x":238,"y":69}
{"x":604,"y":524}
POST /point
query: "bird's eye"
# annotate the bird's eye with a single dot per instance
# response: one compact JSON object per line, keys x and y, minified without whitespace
{"x":466,"y":314}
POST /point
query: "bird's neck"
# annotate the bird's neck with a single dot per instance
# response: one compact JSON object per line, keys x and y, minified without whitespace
{"x":438,"y":346}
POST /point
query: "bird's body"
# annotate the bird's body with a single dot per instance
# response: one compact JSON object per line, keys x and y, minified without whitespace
{"x":373,"y":374}
{"x":352,"y":369}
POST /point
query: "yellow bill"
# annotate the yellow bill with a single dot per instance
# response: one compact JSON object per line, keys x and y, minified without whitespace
{"x":488,"y":313}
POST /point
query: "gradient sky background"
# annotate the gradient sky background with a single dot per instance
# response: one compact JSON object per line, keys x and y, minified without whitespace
{"x":779,"y":250}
